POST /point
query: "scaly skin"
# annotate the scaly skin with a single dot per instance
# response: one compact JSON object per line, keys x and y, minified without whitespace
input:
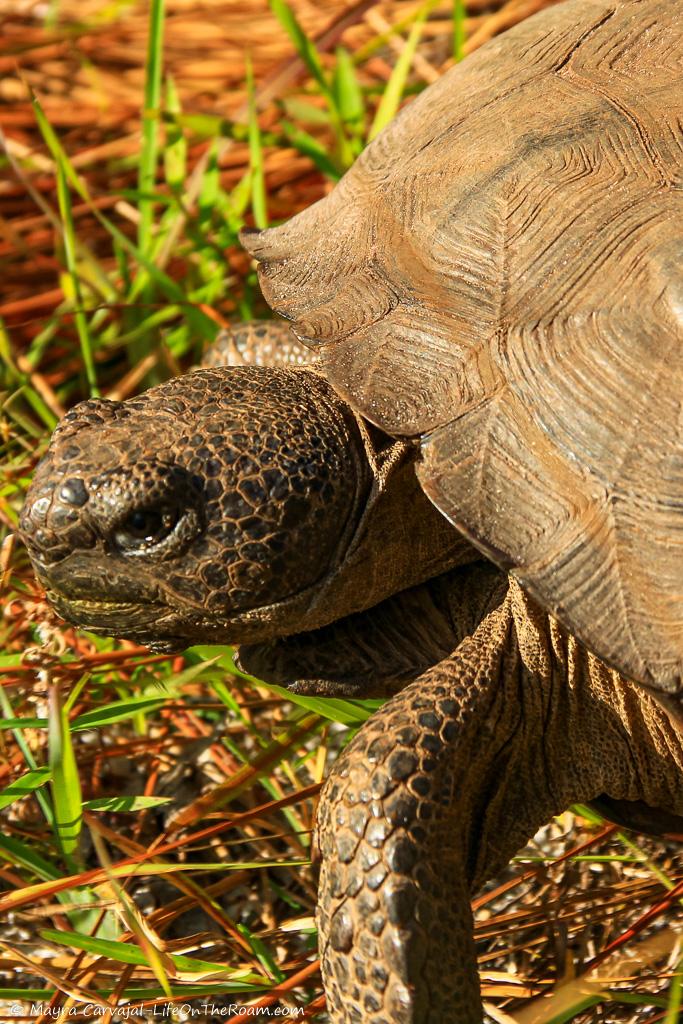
{"x":257,"y":343}
{"x":252,"y":506}
{"x":442,"y":786}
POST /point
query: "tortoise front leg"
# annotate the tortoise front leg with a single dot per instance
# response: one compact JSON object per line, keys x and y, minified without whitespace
{"x":438,"y":791}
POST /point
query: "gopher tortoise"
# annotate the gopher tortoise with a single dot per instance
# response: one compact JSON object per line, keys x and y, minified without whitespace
{"x":470,"y":500}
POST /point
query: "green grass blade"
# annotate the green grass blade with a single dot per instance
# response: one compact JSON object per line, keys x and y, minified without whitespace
{"x":23,"y":723}
{"x":117,"y":711}
{"x":591,"y":815}
{"x":175,"y":150}
{"x":124,"y":803}
{"x":203,"y":325}
{"x":673,"y":1010}
{"x":73,"y":287}
{"x":258,"y":186}
{"x":15,"y":375}
{"x":458,"y":30}
{"x":210,"y":187}
{"x":126,"y":953}
{"x":144,"y":937}
{"x":238,"y":202}
{"x":27,"y":783}
{"x":38,"y":405}
{"x":37,"y":995}
{"x":66,"y":786}
{"x":396,"y":29}
{"x":348,"y":92}
{"x":147,"y":169}
{"x":304,"y":112}
{"x":346,"y":712}
{"x":56,"y":149}
{"x":96,"y":273}
{"x":585,"y":1003}
{"x":15,"y":851}
{"x":303,"y":45}
{"x":308,"y":53}
{"x":150,"y":124}
{"x":7,"y":711}
{"x":639,"y":854}
{"x":310,"y":147}
{"x":391,"y":97}
{"x":263,"y":955}
{"x":608,"y":996}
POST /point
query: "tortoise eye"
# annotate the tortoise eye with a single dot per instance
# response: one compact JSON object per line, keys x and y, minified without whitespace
{"x":145,"y":527}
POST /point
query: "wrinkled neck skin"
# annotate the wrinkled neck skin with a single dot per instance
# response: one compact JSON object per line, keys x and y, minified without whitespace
{"x":400,"y":541}
{"x":376,"y":652}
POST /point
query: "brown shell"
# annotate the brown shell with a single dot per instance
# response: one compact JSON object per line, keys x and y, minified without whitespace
{"x":501,"y":272}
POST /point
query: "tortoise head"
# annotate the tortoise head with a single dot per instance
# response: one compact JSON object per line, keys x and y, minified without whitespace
{"x":231,"y":505}
{"x":196,"y":512}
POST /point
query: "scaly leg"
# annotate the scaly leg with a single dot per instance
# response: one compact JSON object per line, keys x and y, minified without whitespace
{"x":258,"y":343}
{"x":440,"y":788}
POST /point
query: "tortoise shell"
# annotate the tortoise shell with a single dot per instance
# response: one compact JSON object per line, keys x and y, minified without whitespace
{"x":500,"y":274}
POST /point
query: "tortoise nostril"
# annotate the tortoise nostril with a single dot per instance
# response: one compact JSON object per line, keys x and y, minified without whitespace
{"x":74,"y":492}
